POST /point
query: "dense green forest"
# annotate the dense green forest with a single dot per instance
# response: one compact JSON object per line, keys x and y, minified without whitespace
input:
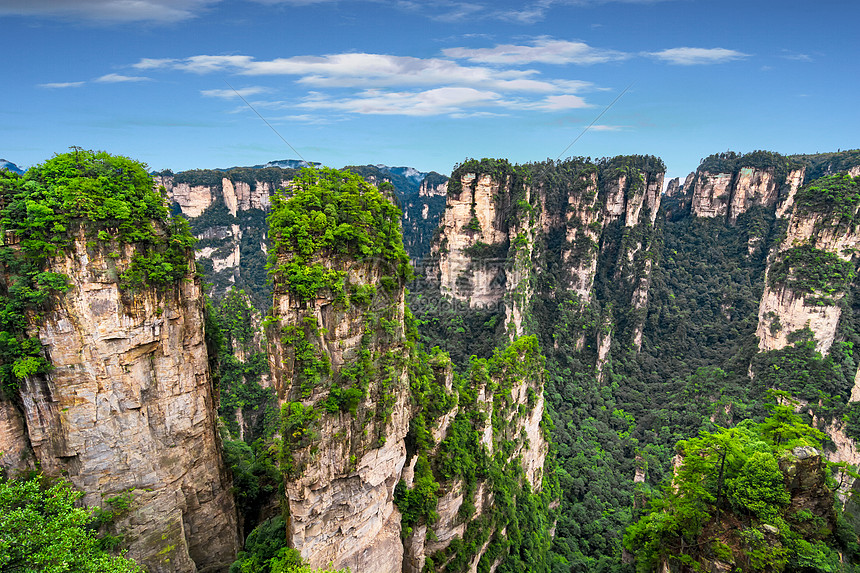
{"x":699,"y":347}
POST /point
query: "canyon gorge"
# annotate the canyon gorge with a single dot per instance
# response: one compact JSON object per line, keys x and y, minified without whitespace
{"x":403,"y":371}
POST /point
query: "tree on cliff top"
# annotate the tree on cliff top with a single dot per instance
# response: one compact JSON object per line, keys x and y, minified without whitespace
{"x":331,"y":213}
{"x":728,"y":501}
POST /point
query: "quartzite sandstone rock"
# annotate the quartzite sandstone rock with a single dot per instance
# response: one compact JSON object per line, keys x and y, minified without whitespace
{"x":129,"y":407}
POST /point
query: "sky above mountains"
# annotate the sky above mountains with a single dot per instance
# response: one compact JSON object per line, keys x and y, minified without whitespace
{"x":179,"y":84}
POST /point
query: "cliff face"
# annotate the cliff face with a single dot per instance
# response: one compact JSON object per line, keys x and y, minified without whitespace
{"x":504,"y":226}
{"x":341,"y":494}
{"x":474,"y":217}
{"x":129,"y":407}
{"x":730,"y":194}
{"x":809,"y":272}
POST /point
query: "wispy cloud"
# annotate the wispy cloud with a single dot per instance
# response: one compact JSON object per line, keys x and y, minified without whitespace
{"x":60,"y":85}
{"x":371,"y":71}
{"x":599,"y":127}
{"x":107,"y":10}
{"x":542,"y":50}
{"x":231,"y":94}
{"x":438,"y":101}
{"x":561,"y":102}
{"x":796,"y":56}
{"x":697,"y":56}
{"x":119,"y":78}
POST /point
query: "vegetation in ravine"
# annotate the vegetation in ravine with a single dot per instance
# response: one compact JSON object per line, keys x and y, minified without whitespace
{"x":266,"y":551}
{"x":464,"y":459}
{"x":44,"y":528}
{"x":247,"y":411}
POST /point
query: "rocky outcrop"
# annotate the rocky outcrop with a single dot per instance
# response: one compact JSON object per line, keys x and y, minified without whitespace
{"x":340,"y":495}
{"x":193,"y":200}
{"x":430,"y":188}
{"x":14,"y":442}
{"x":237,"y":194}
{"x":786,"y":308}
{"x":474,"y":220}
{"x":673,"y":187}
{"x":496,"y":224}
{"x":730,"y":194}
{"x":513,"y":414}
{"x":129,"y":408}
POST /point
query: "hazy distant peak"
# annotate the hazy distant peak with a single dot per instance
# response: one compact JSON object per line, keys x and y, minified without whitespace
{"x":8,"y":165}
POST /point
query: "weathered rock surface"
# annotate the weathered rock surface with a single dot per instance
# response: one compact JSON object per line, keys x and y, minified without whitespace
{"x":130,"y":407}
{"x":729,"y":195}
{"x":429,"y":189}
{"x":783,"y":310}
{"x":341,"y":497}
{"x":472,"y":217}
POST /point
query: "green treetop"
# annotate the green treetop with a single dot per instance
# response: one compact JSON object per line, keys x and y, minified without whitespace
{"x":331,"y":214}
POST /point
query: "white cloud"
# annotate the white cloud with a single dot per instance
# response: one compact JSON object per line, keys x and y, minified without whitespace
{"x":119,"y":78}
{"x":437,"y":101}
{"x":696,"y":56}
{"x":153,"y":63}
{"x":230,"y":93}
{"x":560,"y":102}
{"x":796,"y":56}
{"x":58,"y":85}
{"x":543,"y":50}
{"x":369,"y":71}
{"x":107,"y":10}
{"x":599,"y":127}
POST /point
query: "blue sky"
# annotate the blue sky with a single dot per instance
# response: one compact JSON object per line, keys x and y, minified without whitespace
{"x":426,"y":83}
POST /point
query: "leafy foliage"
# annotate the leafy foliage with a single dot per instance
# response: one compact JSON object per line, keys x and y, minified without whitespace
{"x":331,"y":214}
{"x":728,"y":500}
{"x":43,"y":529}
{"x":266,"y":551}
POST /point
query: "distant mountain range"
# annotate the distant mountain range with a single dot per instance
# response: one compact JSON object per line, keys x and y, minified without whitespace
{"x":10,"y":166}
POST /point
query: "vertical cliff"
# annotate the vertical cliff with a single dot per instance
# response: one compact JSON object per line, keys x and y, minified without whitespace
{"x":726,"y":185}
{"x":109,"y":374}
{"x":507,"y":230}
{"x":813,"y":265}
{"x":338,"y":361}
